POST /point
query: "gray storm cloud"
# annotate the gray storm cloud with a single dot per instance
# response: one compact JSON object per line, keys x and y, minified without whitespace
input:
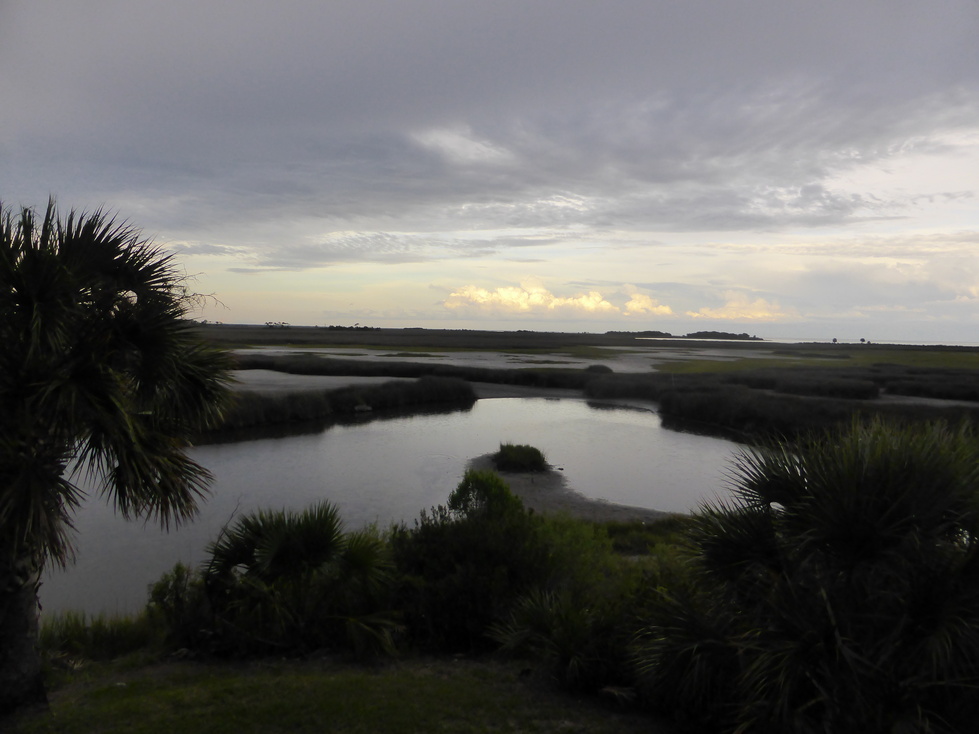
{"x":306,"y":134}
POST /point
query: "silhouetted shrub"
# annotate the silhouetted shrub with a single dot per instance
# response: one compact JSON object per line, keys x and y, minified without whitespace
{"x":838,"y":591}
{"x":282,"y":582}
{"x":462,"y":568}
{"x":519,"y":458}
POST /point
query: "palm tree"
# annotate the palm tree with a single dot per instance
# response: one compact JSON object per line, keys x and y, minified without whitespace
{"x":101,"y":376}
{"x":284,"y":580}
{"x":839,"y":591}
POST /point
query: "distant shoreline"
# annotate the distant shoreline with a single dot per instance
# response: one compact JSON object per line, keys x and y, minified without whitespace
{"x":257,"y":334}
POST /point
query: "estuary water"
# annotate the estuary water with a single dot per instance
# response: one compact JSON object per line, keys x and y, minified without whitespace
{"x":384,"y":471}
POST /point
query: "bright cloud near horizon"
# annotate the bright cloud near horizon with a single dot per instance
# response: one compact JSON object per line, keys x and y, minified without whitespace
{"x":790,"y":169}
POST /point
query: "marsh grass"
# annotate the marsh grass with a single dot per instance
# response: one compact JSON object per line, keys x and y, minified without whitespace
{"x":519,"y":458}
{"x":75,"y":635}
{"x":745,"y":364}
{"x":829,"y":358}
{"x":795,"y":390}
{"x":644,"y":538}
{"x":312,"y":364}
{"x":754,"y":414}
{"x":760,"y":403}
{"x":252,"y":409}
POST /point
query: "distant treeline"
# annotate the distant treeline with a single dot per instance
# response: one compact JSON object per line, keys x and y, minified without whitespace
{"x":355,"y":327}
{"x":243,"y":335}
{"x":693,"y":335}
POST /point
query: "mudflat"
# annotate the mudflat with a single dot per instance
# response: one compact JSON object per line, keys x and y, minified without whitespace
{"x":548,"y":493}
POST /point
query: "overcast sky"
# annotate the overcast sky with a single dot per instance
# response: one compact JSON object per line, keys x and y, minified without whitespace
{"x":785,"y":168}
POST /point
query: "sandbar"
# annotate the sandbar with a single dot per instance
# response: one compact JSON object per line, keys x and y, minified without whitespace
{"x":548,"y":493}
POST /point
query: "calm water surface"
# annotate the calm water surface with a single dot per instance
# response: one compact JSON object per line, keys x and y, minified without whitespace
{"x":388,"y":470}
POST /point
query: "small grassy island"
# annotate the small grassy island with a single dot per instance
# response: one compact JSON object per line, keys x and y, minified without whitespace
{"x":519,"y":458}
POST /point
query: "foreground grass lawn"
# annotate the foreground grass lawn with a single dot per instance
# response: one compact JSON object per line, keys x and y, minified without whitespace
{"x":415,"y":696}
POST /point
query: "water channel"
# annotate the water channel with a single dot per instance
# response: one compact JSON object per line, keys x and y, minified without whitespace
{"x":385,"y":471}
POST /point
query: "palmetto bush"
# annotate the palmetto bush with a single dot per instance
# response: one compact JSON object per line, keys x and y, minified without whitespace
{"x":285,"y":581}
{"x":519,"y":458}
{"x":581,"y":635}
{"x":483,"y":569}
{"x":580,"y":625}
{"x":837,"y":592}
{"x":463,"y":565}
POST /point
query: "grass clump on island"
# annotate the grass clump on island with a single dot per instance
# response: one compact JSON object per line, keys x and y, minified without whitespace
{"x":519,"y":458}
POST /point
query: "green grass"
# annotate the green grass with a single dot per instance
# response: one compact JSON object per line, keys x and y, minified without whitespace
{"x":519,"y":458}
{"x":441,"y":695}
{"x":639,"y":538}
{"x":77,"y":635}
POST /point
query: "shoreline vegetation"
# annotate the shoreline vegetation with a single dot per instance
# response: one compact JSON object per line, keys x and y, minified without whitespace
{"x":246,"y":335}
{"x":790,"y":392}
{"x":681,"y":624}
{"x":522,"y":587}
{"x":294,"y":597}
{"x":748,"y":390}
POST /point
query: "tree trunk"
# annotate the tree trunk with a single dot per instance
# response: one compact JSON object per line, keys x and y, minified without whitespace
{"x":21,"y":682}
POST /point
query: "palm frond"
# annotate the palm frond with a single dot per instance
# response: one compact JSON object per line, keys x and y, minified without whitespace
{"x":846,"y":573}
{"x":98,"y":365}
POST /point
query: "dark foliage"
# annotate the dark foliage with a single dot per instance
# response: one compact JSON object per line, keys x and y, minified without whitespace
{"x":641,"y":387}
{"x":519,"y":458}
{"x":463,"y":566}
{"x":838,"y":592}
{"x":251,"y":409}
{"x":101,"y":377}
{"x":282,"y":582}
{"x":638,"y":538}
{"x":761,"y":404}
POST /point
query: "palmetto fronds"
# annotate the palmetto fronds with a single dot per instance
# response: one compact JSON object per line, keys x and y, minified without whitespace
{"x":100,"y":375}
{"x":270,"y":544}
{"x":844,"y":576}
{"x":279,"y":579}
{"x":99,"y":369}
